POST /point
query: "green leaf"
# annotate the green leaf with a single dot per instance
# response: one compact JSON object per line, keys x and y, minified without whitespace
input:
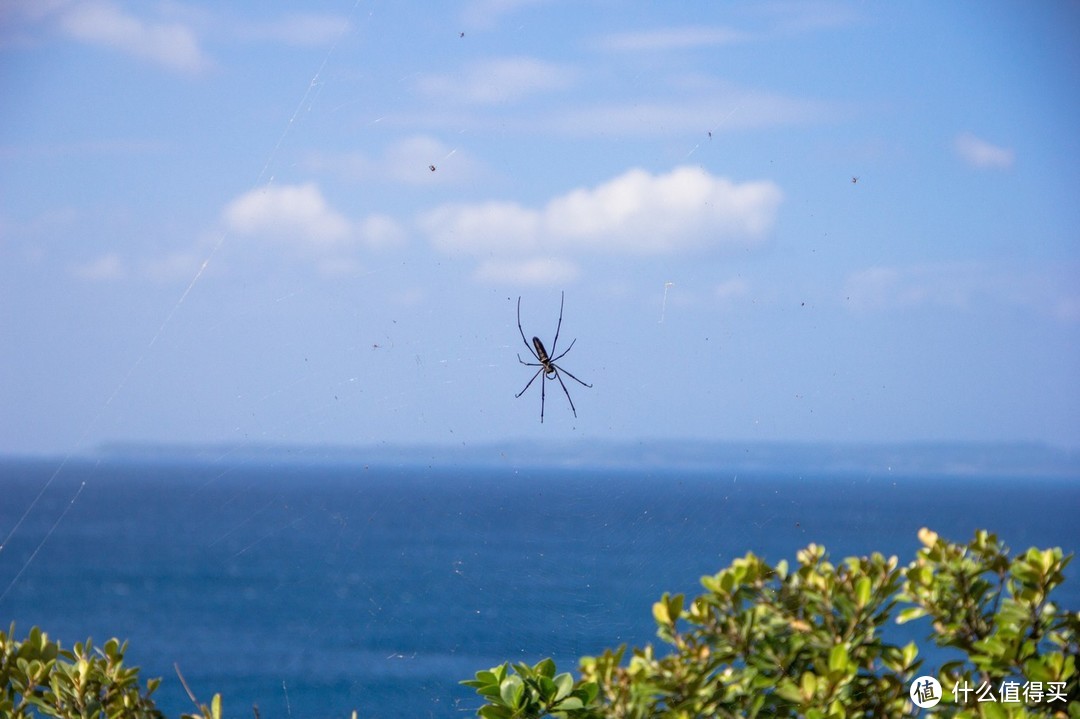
{"x":589,"y":690}
{"x":564,"y":684}
{"x":546,"y":668}
{"x":910,"y":614}
{"x":838,"y":659}
{"x":495,"y":712}
{"x":910,"y":651}
{"x":787,"y":690}
{"x":570,"y":703}
{"x":511,"y":691}
{"x":862,"y":591}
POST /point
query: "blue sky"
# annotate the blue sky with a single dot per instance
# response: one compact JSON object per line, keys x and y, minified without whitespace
{"x":219,"y":222}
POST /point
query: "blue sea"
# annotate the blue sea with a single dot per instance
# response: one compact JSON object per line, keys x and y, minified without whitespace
{"x":312,"y":589}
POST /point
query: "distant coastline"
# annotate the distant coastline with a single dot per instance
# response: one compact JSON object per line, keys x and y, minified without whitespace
{"x":1017,"y":459}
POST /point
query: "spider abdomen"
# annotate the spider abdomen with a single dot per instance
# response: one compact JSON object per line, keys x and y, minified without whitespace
{"x":541,"y":353}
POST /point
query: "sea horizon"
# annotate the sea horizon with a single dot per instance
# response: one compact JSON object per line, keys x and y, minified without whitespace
{"x":919,"y":457}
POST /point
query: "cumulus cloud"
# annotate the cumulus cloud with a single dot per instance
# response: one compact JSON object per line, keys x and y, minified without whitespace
{"x":982,"y":154}
{"x":297,"y":213}
{"x":636,"y":213}
{"x":380,"y":231}
{"x":504,"y":227}
{"x":686,"y":209}
{"x":298,"y":216}
{"x":100,"y":22}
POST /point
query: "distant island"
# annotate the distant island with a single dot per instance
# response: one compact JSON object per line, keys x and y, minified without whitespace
{"x":873,"y":460}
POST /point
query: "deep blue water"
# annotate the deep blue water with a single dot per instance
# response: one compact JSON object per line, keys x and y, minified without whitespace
{"x":315,"y":590}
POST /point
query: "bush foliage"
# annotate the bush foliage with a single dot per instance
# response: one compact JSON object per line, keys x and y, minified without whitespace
{"x":39,"y":678}
{"x":806,"y":641}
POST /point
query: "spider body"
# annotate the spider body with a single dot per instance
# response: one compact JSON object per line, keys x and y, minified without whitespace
{"x":547,"y":369}
{"x":542,"y":357}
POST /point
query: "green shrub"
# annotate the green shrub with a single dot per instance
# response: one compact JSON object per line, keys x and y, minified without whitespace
{"x":39,"y":678}
{"x":765,"y":641}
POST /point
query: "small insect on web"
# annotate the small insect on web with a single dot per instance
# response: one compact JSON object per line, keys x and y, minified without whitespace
{"x":546,"y":363}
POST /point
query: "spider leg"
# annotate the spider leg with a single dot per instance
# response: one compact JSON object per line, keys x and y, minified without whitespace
{"x":555,"y":342}
{"x":543,"y":384}
{"x":531,"y":350}
{"x":566,"y":392}
{"x":586,"y":384}
{"x":528,"y":364}
{"x":556,"y":359}
{"x":538,"y":372}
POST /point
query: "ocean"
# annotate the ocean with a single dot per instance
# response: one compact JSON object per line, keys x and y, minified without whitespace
{"x":312,"y":589}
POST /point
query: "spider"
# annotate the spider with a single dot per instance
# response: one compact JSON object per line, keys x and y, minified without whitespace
{"x":548,"y":368}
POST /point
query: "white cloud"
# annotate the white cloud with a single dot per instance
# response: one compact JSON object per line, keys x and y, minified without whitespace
{"x":380,"y":232}
{"x":671,"y":38}
{"x":296,"y":213}
{"x":495,"y":81}
{"x":686,"y":209}
{"x":637,"y":213}
{"x":504,"y":227}
{"x":100,"y":22}
{"x":300,"y":217}
{"x":982,"y":154}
